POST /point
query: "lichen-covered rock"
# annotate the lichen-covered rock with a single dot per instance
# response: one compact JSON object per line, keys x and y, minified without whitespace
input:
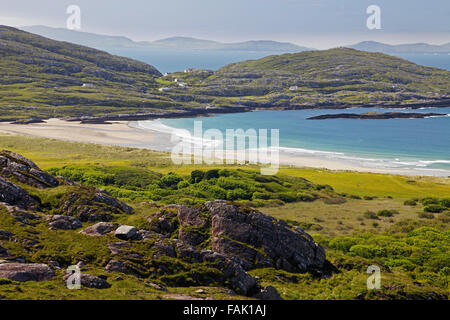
{"x":98,"y":229}
{"x":121,"y":267}
{"x":23,"y":272}
{"x":15,"y":166}
{"x":90,"y":204}
{"x":268,"y":293}
{"x":261,"y":240}
{"x":14,"y":195}
{"x":90,"y":281}
{"x":126,"y":232}
{"x":64,"y":222}
{"x":21,"y":215}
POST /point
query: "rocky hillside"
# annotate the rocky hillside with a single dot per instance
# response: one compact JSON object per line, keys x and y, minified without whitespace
{"x":335,"y":78}
{"x":48,"y":223}
{"x":43,"y":78}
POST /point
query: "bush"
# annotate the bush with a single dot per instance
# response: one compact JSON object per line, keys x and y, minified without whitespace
{"x":211,"y":174}
{"x":261,"y":195}
{"x":430,"y":200}
{"x":387,"y":213}
{"x":352,"y":196}
{"x":370,"y":215}
{"x":434,"y":208}
{"x":305,"y":197}
{"x":197,"y":176}
{"x":183,"y":184}
{"x":170,"y":181}
{"x":445,"y":202}
{"x":287,"y":197}
{"x":238,"y":194}
{"x":411,"y":203}
{"x":426,"y":215}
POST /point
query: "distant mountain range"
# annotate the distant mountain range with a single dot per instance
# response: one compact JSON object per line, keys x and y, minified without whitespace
{"x":419,"y":48}
{"x":178,"y":43}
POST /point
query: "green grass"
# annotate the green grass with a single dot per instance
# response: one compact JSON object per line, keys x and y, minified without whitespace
{"x":414,"y":246}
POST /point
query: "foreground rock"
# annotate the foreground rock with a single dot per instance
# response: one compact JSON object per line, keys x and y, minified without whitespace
{"x":126,"y":232}
{"x":99,"y":229}
{"x":13,"y":165}
{"x":23,"y":272}
{"x":88,"y":281}
{"x":64,"y":222}
{"x":14,"y":195}
{"x":260,"y":240}
{"x":241,"y":239}
{"x":90,"y":204}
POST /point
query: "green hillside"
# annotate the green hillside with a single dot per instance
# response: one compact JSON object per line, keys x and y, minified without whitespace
{"x":43,"y":78}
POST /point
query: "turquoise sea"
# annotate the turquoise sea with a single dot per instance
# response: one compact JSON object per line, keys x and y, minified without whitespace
{"x":420,"y":146}
{"x":417,"y":145}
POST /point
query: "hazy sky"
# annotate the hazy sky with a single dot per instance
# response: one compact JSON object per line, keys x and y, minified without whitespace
{"x":314,"y":23}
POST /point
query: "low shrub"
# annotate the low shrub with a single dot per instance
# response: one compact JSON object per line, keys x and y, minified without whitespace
{"x":434,"y":208}
{"x":387,"y":213}
{"x":411,"y":203}
{"x":370,"y":215}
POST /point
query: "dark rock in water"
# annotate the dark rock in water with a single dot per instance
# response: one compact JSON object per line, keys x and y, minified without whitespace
{"x":25,"y":171}
{"x":23,"y":272}
{"x":376,"y":115}
{"x":260,"y":240}
{"x":64,"y":222}
{"x":99,"y":229}
{"x":14,"y":195}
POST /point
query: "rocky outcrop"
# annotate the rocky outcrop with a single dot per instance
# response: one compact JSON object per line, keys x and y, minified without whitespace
{"x":260,"y":240}
{"x":99,"y":229}
{"x":23,"y":272}
{"x":14,"y":195}
{"x":64,"y":222}
{"x":241,"y":239}
{"x":89,"y":281}
{"x":24,"y":170}
{"x":376,"y":115}
{"x":126,"y":232}
{"x":90,"y":204}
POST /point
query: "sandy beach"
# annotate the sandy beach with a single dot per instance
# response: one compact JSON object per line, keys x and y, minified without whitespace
{"x":121,"y":133}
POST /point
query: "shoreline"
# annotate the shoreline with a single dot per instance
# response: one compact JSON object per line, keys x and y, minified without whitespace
{"x":126,"y":134}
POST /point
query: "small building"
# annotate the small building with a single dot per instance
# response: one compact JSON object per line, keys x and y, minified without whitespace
{"x":164,"y":89}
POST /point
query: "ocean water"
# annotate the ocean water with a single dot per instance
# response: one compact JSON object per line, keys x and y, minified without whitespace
{"x":416,"y":145}
{"x":179,"y":60}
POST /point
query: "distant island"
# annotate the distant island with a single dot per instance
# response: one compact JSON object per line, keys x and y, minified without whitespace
{"x":411,"y":48}
{"x":172,"y":43}
{"x":377,"y":115}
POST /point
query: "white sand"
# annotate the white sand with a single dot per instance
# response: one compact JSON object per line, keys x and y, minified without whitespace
{"x":119,"y":133}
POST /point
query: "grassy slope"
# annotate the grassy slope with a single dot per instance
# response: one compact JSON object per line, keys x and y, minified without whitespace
{"x":329,"y":223}
{"x":44,"y":78}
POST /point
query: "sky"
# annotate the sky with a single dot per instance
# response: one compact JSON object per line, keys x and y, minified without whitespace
{"x":314,"y":23}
